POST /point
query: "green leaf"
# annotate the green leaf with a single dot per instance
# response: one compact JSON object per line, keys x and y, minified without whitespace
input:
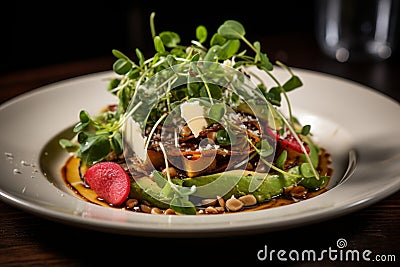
{"x":178,"y":52}
{"x":167,"y":192}
{"x":274,"y":94}
{"x":306,"y":170}
{"x":280,"y":161}
{"x":266,"y":64}
{"x":228,"y":49}
{"x":84,"y":116}
{"x":217,"y":39}
{"x":68,"y":145}
{"x":82,"y":137}
{"x":116,"y":143}
{"x":217,"y":111}
{"x":159,"y":45}
{"x":293,"y":83}
{"x":183,"y":206}
{"x":169,"y":39}
{"x":140,"y":56}
{"x":195,"y":58}
{"x":212,"y":53}
{"x":305,"y":130}
{"x":201,"y":33}
{"x":95,"y":148}
{"x":80,"y":126}
{"x":215,"y":91}
{"x":265,"y":149}
{"x":193,"y":89}
{"x":232,"y":29}
{"x":222,"y":137}
{"x":122,"y":66}
{"x":114,"y":83}
{"x":159,"y":178}
{"x":313,"y":183}
{"x":118,"y":54}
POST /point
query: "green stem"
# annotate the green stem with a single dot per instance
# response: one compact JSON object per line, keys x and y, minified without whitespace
{"x":272,"y":166}
{"x":173,"y":186}
{"x":153,"y":130}
{"x":284,"y":94}
{"x":300,"y":143}
{"x":152,"y":27}
{"x":249,"y":44}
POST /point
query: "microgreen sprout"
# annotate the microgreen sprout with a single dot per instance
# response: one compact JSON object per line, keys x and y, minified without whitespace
{"x":99,"y":137}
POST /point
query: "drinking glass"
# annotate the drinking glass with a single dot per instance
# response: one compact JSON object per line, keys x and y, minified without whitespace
{"x":357,"y":30}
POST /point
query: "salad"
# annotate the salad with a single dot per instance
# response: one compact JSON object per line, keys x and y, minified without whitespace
{"x":196,"y":130}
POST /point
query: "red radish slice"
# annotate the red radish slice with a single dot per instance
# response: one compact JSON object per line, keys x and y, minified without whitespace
{"x":110,"y":182}
{"x":292,"y":144}
{"x":289,"y":142}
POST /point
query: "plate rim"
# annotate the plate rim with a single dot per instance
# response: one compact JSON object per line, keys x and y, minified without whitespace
{"x":97,"y":224}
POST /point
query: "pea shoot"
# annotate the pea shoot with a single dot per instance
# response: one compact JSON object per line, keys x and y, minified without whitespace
{"x":98,"y":138}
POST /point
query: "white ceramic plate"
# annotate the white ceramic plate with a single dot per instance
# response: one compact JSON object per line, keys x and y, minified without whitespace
{"x":357,"y":125}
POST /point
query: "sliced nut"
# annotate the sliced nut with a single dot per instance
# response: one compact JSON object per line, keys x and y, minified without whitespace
{"x":220,"y":209}
{"x":248,"y":200}
{"x":172,"y":172}
{"x":211,"y":210}
{"x":185,"y":131}
{"x":234,"y":204}
{"x":221,"y":201}
{"x":130,"y":203}
{"x":298,"y":191}
{"x":249,"y":166}
{"x":156,"y":210}
{"x":145,"y":208}
{"x":169,"y":212}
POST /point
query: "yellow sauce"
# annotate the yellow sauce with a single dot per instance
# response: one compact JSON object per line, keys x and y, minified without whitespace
{"x":71,"y":173}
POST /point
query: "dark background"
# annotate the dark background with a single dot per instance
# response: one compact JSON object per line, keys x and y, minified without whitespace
{"x":35,"y":34}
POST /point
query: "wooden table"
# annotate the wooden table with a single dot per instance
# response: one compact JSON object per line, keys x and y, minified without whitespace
{"x":28,"y":240}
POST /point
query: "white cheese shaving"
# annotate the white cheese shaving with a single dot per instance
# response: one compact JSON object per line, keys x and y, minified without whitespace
{"x":133,"y":136}
{"x":193,"y":114}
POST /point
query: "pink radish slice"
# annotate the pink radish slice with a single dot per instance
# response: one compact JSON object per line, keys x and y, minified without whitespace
{"x":110,"y":182}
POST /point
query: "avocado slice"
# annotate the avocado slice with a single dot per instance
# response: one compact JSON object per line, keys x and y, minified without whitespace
{"x":263,"y":186}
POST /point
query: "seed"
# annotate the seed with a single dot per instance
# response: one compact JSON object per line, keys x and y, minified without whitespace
{"x":249,"y":166}
{"x":220,"y":209}
{"x":298,"y":191}
{"x":169,"y":212}
{"x":234,"y":204}
{"x":185,"y":131}
{"x":248,"y":200}
{"x":211,"y":210}
{"x":156,"y":210}
{"x":171,"y":170}
{"x":221,"y":201}
{"x":130,"y":203}
{"x":145,"y":208}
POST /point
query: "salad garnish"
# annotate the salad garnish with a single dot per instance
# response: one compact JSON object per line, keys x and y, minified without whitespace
{"x":196,"y":130}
